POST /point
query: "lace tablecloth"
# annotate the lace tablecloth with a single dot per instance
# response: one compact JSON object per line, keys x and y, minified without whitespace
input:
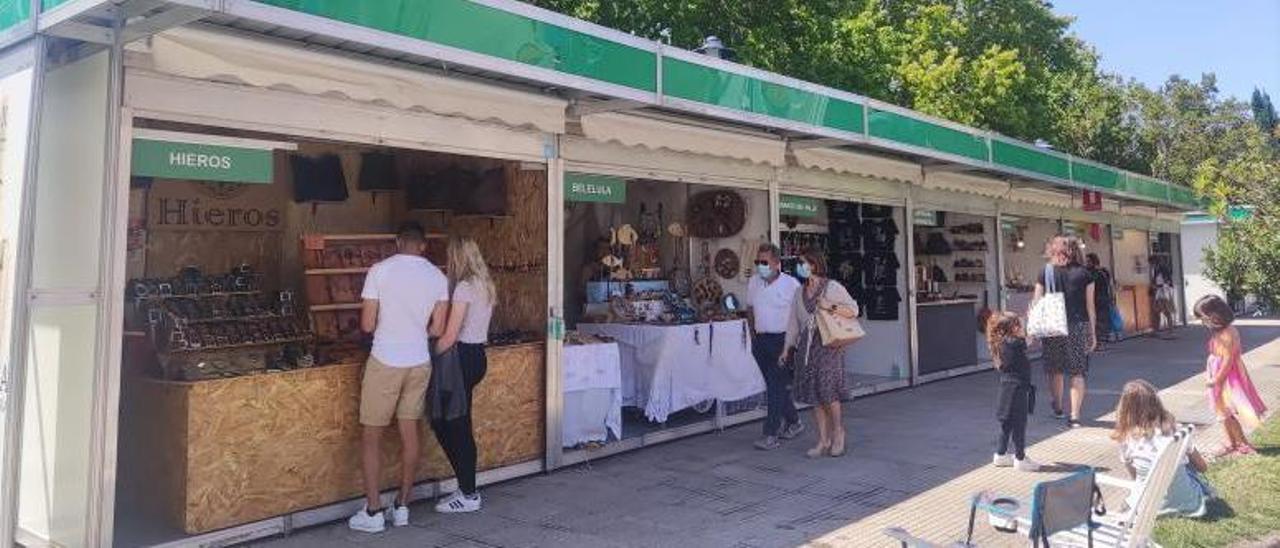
{"x":667,"y":368}
{"x":592,"y":382}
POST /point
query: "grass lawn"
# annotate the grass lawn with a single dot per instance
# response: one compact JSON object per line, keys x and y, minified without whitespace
{"x":1250,"y":506}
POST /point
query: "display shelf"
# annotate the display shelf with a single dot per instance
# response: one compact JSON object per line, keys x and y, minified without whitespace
{"x":335,"y":271}
{"x":223,"y":347}
{"x":372,"y":236}
{"x":186,"y":321}
{"x":332,"y":307}
{"x":196,"y":295}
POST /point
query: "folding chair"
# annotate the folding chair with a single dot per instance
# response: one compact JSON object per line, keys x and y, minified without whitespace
{"x":1060,"y":505}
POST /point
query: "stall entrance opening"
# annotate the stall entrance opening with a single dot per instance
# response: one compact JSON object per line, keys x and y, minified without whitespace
{"x":243,"y":350}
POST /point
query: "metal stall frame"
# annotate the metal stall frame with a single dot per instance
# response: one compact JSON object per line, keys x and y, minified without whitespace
{"x":849,"y":194}
{"x":720,"y":420}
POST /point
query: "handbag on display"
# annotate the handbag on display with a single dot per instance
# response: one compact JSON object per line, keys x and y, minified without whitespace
{"x":1048,"y":315}
{"x":836,"y":330}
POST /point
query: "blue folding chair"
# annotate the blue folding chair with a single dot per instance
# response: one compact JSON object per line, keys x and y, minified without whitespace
{"x":1066,"y":504}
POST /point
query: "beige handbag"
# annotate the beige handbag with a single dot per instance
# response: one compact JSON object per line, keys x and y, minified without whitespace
{"x":836,"y":330}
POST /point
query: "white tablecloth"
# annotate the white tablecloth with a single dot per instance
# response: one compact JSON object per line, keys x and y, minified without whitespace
{"x":592,"y":383}
{"x":667,"y":368}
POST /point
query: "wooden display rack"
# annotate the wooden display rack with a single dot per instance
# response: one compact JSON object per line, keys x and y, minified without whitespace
{"x":334,"y":314}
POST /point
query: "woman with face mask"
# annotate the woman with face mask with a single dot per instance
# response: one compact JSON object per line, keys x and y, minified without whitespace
{"x":819,"y":369}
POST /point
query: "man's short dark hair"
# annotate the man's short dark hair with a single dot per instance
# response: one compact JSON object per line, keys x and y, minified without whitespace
{"x":771,"y":249}
{"x":411,"y":232}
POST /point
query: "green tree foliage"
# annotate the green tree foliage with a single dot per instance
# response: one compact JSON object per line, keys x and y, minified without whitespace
{"x":1264,"y":114}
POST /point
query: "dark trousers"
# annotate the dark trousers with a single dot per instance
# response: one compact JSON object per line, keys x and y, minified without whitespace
{"x":1014,"y":428}
{"x":455,"y":436}
{"x":767,"y":348}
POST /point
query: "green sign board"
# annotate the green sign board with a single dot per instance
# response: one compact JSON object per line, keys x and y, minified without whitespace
{"x":201,"y":162}
{"x":581,"y":187}
{"x":798,"y":206}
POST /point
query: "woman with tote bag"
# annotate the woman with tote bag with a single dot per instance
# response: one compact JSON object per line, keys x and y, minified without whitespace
{"x":1067,"y":354}
{"x":818,"y":361}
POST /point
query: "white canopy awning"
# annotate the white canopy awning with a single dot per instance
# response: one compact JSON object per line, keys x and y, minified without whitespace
{"x":867,"y":165}
{"x":224,"y":57}
{"x":655,"y":134}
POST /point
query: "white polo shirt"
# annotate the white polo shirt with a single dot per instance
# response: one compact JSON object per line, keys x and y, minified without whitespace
{"x":770,"y":302}
{"x":407,"y":288}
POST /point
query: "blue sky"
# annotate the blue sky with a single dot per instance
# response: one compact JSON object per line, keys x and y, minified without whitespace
{"x":1239,"y":40}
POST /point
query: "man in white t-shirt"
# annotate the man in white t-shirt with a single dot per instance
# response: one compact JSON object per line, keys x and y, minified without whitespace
{"x":770,"y":293}
{"x":405,"y":298}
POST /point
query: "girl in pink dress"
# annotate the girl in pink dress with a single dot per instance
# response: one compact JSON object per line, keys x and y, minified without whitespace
{"x":1231,"y":392}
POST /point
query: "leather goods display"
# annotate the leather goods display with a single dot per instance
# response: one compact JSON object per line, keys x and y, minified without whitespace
{"x":318,"y":179}
{"x":460,"y":191}
{"x":836,"y":330}
{"x":1048,"y":316}
{"x":213,"y":326}
{"x":716,"y":214}
{"x":378,"y":172}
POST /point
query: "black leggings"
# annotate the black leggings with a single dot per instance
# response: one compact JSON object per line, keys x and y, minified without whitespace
{"x":1015,"y":428}
{"x":455,"y":436}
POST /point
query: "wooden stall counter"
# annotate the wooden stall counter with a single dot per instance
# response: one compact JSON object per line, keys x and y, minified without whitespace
{"x":237,"y":450}
{"x":1134,"y":302}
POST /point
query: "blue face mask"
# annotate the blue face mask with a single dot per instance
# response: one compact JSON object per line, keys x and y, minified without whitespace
{"x":803,"y":270}
{"x":765,"y":271}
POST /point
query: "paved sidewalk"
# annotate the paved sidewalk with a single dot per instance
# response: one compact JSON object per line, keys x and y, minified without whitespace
{"x":916,"y":456}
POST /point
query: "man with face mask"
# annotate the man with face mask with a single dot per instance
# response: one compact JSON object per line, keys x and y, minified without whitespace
{"x":769,"y":295}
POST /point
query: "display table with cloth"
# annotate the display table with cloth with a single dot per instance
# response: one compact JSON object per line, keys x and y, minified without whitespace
{"x":592,"y":382}
{"x":667,"y":368}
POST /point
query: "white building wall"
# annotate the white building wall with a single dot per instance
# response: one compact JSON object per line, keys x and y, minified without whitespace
{"x":1196,"y":237}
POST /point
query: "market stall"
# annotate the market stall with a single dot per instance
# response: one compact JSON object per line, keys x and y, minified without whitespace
{"x":1025,"y":238}
{"x":1133,"y":272}
{"x":956,"y":277}
{"x":246,"y":353}
{"x":865,"y":254}
{"x":660,"y":268}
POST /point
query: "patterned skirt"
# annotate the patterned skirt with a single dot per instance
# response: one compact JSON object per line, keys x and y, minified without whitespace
{"x":820,"y":378}
{"x":1069,"y":354}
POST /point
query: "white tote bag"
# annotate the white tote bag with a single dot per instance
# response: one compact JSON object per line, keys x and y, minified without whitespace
{"x":1048,"y":316}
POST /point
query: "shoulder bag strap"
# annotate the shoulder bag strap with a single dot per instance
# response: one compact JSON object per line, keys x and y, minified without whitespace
{"x":1050,"y":281}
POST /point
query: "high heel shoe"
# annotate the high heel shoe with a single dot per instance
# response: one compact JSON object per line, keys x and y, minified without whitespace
{"x":818,"y":452}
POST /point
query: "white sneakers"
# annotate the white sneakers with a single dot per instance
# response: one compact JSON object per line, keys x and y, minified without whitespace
{"x":458,"y":503}
{"x":1026,"y":465}
{"x":1021,"y":465}
{"x":365,"y":522}
{"x":400,"y":516}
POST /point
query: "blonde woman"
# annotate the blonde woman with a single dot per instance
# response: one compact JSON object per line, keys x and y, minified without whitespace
{"x":1069,"y":355}
{"x":468,"y":327}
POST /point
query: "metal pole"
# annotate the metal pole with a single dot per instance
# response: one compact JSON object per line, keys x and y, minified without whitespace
{"x":110,"y":295}
{"x":913,"y":338}
{"x":19,"y":325}
{"x":554,"y":454}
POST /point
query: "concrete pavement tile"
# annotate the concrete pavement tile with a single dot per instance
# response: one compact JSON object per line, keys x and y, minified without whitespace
{"x":917,"y":456}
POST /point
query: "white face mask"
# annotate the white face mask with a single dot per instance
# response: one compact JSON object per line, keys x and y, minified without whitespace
{"x":765,"y":271}
{"x":803,"y":270}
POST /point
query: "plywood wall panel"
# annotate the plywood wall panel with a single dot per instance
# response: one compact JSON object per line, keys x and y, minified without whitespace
{"x":244,"y":449}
